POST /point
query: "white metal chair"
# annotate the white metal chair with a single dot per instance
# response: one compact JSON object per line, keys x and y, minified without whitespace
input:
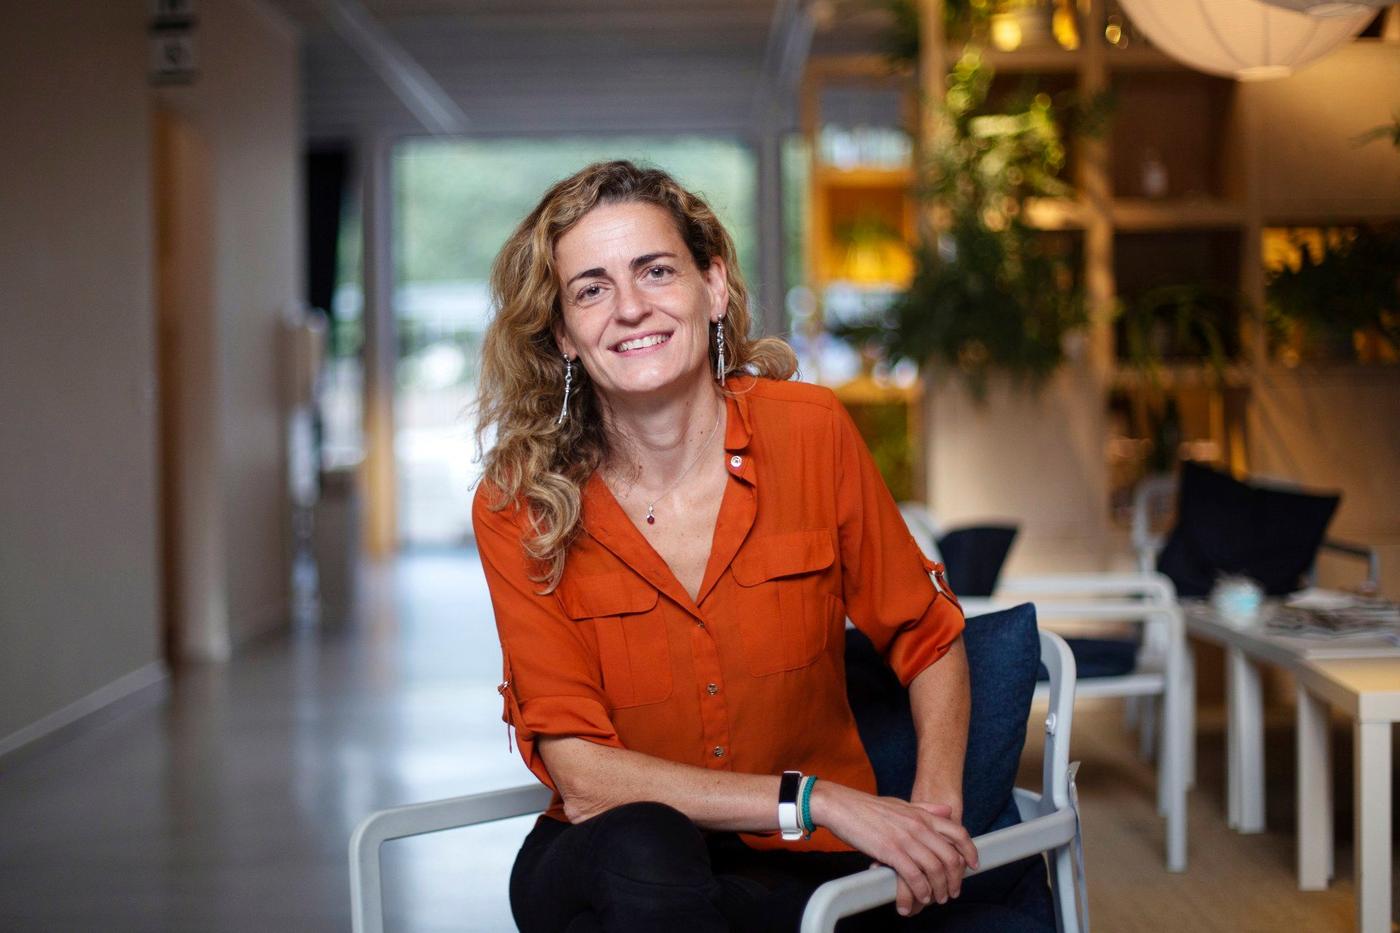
{"x":1154,"y":502}
{"x":1163,"y":667}
{"x":1050,"y":825}
{"x":1154,"y":508}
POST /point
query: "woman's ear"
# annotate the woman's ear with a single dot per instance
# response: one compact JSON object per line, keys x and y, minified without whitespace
{"x":562,"y":341}
{"x":717,"y":283}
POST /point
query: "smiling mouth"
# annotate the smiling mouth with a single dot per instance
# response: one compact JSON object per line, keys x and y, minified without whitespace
{"x":641,"y":343}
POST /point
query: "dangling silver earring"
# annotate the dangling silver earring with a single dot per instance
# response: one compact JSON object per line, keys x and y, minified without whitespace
{"x":568,"y":387}
{"x":720,"y":368}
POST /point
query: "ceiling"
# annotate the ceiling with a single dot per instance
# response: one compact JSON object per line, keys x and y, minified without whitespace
{"x":559,"y":66}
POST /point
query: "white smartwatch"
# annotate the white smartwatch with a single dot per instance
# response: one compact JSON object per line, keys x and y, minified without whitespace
{"x":788,"y":818}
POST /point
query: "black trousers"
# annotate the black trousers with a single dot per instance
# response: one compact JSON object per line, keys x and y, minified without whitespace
{"x":646,"y":868}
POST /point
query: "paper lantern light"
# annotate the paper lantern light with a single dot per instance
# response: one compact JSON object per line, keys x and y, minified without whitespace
{"x":1244,"y":39}
{"x":1331,"y":7}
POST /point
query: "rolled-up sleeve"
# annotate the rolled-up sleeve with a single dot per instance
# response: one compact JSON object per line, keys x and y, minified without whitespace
{"x":551,"y":684}
{"x":888,"y":586}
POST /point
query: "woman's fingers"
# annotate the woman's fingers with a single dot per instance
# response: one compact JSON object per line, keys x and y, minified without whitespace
{"x":903,"y":897}
{"x":957,"y":834}
{"x":928,"y":851}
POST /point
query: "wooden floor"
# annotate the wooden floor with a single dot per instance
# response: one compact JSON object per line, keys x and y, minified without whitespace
{"x":228,"y":807}
{"x":1232,"y":882}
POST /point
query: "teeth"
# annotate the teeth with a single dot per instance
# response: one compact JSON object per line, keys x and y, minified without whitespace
{"x":640,"y":342}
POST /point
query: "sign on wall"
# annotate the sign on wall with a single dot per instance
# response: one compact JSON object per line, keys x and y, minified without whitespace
{"x":172,"y":44}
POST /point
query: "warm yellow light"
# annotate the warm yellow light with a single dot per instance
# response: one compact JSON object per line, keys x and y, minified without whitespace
{"x":1113,"y":32}
{"x":1006,"y":31}
{"x":1064,"y":27}
{"x":879,"y":263}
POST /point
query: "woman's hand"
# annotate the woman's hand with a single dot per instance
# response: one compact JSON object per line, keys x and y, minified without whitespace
{"x":927,"y":850}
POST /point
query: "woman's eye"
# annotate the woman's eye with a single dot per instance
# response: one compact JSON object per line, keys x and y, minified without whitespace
{"x":589,"y":292}
{"x":659,"y":273}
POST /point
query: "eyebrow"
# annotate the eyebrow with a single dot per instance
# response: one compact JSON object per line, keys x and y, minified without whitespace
{"x":598,"y":272}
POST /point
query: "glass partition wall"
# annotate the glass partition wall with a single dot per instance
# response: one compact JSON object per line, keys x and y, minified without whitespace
{"x":456,"y":201}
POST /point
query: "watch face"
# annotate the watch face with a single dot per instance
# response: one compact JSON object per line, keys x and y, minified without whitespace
{"x":787,"y":790}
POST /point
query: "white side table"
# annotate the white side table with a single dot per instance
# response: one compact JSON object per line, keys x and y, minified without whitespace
{"x":1361,"y":678}
{"x":1367,"y":690}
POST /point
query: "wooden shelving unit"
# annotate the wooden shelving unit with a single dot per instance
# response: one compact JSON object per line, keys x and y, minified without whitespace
{"x":1206,"y":218}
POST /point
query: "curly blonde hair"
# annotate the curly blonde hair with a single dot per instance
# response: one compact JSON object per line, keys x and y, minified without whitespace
{"x":536,"y":463}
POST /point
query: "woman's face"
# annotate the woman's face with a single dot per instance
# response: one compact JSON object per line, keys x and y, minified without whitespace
{"x":636,"y":308}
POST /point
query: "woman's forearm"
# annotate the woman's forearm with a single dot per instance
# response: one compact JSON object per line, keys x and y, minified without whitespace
{"x":593,"y":778}
{"x":940,"y":702}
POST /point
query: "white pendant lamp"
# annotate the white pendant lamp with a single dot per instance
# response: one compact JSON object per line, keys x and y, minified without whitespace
{"x":1246,"y":39}
{"x":1328,"y":8}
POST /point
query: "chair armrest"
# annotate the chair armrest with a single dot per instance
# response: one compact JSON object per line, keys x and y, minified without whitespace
{"x":873,"y":887}
{"x":366,"y":896}
{"x":1359,"y":551}
{"x":1152,"y":585}
{"x":452,"y":813}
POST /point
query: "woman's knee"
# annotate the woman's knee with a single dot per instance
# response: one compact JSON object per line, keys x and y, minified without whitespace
{"x":650,"y":842}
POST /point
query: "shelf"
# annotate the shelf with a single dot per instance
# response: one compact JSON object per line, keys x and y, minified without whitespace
{"x":1135,"y":215}
{"x":1041,"y":59}
{"x":1181,"y":376}
{"x":1141,"y":58}
{"x":1054,"y":214}
{"x":832,"y":177}
{"x":1052,"y":59}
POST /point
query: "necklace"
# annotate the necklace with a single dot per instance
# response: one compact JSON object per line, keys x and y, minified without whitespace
{"x":651,"y":506}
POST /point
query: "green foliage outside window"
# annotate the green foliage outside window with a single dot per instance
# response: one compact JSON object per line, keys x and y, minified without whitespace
{"x":458,"y":200}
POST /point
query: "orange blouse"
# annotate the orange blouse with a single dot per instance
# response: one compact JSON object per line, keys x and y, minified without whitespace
{"x":750,"y":676}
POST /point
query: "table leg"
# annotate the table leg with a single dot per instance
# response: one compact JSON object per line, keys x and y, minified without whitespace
{"x":1247,"y":742}
{"x":1315,"y":843}
{"x":1372,"y":827}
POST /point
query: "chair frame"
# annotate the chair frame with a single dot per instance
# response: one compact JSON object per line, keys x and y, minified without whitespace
{"x":1164,"y":667}
{"x":1156,"y":495}
{"x":1051,"y":825}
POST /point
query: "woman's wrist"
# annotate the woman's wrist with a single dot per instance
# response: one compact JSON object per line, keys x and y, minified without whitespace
{"x":934,"y":793}
{"x":820,"y":802}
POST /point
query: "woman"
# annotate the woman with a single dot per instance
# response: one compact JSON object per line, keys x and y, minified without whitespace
{"x":674,"y":535}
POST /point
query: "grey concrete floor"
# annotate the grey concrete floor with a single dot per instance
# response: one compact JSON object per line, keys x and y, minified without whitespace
{"x":229,"y":806}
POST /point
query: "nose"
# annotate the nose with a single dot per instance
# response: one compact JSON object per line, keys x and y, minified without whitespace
{"x":631,"y":304}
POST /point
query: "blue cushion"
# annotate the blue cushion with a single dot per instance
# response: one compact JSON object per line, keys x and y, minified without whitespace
{"x":1003,"y":655}
{"x":974,"y":557}
{"x":1100,"y":657}
{"x":1225,"y":526}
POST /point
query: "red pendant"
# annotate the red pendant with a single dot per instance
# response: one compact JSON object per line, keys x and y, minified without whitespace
{"x":651,"y":519}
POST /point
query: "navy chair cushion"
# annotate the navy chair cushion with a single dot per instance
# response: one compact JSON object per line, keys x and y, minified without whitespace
{"x":1003,"y":655}
{"x":974,"y":557}
{"x":1100,"y":657}
{"x":1226,"y":526}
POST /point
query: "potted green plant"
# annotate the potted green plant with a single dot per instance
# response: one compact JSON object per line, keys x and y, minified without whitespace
{"x":988,"y":295}
{"x":1341,"y":297}
{"x":1190,"y":324}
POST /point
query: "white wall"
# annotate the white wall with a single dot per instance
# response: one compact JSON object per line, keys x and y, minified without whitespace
{"x":80,"y":571}
{"x":78,"y":545}
{"x":245,"y":109}
{"x":1035,"y":459}
{"x":1310,"y":166}
{"x":1337,"y":429}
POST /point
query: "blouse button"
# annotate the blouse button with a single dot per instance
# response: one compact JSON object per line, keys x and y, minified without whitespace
{"x":719,"y":751}
{"x":712,"y":688}
{"x":736,"y":461}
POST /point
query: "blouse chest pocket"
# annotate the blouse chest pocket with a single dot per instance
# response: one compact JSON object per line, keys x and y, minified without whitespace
{"x":634,"y":651}
{"x":787,"y":610}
